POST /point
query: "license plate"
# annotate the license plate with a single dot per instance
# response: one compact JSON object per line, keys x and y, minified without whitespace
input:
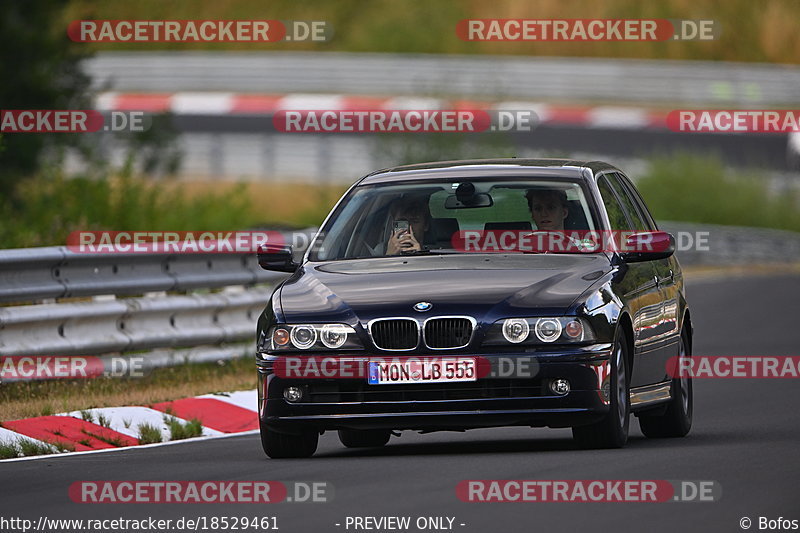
{"x":422,"y":371}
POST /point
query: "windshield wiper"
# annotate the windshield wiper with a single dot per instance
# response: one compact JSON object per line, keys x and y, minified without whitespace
{"x":430,"y":252}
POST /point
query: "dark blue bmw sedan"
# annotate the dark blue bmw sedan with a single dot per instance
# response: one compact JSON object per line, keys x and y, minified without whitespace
{"x":468,"y":294}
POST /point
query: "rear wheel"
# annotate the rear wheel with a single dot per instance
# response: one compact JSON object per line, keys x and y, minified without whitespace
{"x":364,"y":438}
{"x":612,"y":430}
{"x":676,"y":421}
{"x":288,"y":445}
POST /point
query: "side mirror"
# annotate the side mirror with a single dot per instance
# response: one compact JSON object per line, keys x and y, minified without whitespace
{"x":647,"y":246}
{"x":276,"y":257}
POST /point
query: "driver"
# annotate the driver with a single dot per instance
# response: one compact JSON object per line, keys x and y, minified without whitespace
{"x":549,"y":208}
{"x":549,"y":211}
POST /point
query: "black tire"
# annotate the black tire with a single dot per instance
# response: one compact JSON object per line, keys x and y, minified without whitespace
{"x":367,"y":438}
{"x":612,"y":430}
{"x":279,"y":445}
{"x":676,"y":420}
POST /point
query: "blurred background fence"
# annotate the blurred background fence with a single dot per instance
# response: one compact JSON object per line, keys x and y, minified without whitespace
{"x":221,"y":106}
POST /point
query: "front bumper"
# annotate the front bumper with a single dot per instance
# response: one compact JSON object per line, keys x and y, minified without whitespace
{"x":497,"y":400}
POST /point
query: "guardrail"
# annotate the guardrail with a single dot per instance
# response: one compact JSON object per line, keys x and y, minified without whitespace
{"x":31,"y":274}
{"x":174,"y":307}
{"x":733,"y":245}
{"x":131,"y":324}
{"x":470,"y":76}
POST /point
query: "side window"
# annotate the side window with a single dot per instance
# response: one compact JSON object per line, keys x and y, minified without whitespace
{"x":637,"y":198}
{"x":628,"y":204}
{"x":615,"y":214}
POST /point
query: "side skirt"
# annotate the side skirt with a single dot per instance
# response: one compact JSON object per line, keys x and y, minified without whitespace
{"x":650,"y":395}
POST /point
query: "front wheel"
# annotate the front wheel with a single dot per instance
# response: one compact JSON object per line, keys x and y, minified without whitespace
{"x":676,"y":421}
{"x":612,"y":430}
{"x":288,"y":445}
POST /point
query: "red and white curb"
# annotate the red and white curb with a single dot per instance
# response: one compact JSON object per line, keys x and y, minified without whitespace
{"x":110,"y":428}
{"x":219,"y":103}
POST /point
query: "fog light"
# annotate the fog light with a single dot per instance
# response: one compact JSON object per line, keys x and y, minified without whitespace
{"x":292,"y":394}
{"x":559,"y":386}
{"x":606,"y":391}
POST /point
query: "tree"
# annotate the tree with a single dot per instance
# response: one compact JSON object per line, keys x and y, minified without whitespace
{"x":40,"y":69}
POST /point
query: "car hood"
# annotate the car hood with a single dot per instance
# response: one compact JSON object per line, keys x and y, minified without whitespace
{"x":484,"y":286}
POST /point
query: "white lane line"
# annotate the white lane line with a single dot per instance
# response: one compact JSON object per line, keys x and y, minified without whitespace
{"x":618,"y":117}
{"x":311,"y":102}
{"x":187,"y":103}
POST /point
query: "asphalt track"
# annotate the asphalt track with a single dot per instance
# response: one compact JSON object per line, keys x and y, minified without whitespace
{"x":745,"y":437}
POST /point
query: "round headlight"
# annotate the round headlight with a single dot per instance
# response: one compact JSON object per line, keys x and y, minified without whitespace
{"x":516,"y":330}
{"x":303,"y":337}
{"x":548,"y":329}
{"x":333,"y":335}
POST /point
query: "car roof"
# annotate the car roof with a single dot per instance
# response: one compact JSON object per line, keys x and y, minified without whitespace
{"x":568,"y":168}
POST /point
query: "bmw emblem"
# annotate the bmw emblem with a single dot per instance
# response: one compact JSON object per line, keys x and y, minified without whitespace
{"x":423,"y":306}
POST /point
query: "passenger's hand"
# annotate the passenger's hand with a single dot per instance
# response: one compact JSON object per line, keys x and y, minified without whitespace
{"x":402,"y":242}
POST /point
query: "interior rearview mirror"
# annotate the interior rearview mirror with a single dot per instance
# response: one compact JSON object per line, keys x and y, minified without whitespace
{"x":481,"y":199}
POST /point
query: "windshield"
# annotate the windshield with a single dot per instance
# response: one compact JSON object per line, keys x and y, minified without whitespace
{"x":451,"y":217}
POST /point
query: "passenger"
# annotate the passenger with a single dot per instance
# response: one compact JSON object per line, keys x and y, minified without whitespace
{"x":416,"y":212}
{"x":549,"y":208}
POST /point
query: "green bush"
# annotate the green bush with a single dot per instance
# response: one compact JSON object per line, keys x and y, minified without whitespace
{"x":699,"y":189}
{"x":44,"y":210}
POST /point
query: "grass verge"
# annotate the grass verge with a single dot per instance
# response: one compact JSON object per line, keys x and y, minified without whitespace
{"x":27,"y":448}
{"x":37,"y":398}
{"x":28,"y":219}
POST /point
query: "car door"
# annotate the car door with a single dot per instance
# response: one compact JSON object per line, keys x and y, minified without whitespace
{"x":661,"y":340}
{"x":667,"y":277}
{"x":639,"y":290}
